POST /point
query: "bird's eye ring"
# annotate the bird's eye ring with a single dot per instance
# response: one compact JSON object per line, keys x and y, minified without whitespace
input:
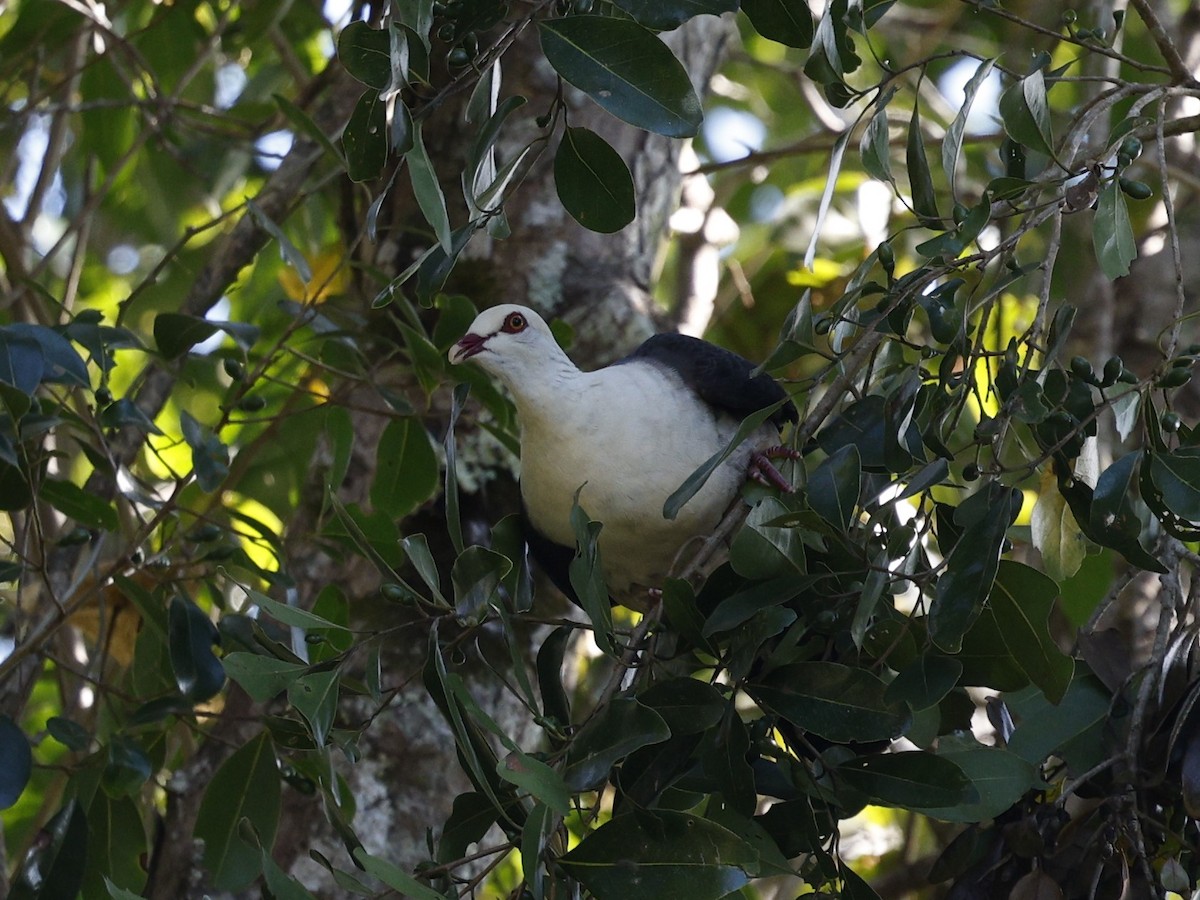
{"x":514,"y":322}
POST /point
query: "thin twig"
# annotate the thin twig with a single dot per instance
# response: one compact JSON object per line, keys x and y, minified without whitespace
{"x":1154,"y":25}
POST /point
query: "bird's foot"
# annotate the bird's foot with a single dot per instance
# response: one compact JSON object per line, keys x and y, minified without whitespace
{"x":764,"y":472}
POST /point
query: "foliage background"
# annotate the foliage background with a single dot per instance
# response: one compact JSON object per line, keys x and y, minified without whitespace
{"x":266,"y":627}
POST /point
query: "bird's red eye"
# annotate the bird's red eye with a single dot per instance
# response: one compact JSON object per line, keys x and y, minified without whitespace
{"x":514,"y":323}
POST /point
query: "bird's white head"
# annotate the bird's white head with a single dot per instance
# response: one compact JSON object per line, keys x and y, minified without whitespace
{"x":509,"y":340}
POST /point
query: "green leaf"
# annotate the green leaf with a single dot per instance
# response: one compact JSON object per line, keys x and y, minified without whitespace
{"x":292,"y":615}
{"x":971,"y":567}
{"x":54,"y":867}
{"x":471,"y":815}
{"x":875,"y":149}
{"x":126,"y":769}
{"x":925,"y":681}
{"x":395,"y":877}
{"x":952,"y":142}
{"x":61,"y":363}
{"x":245,"y":786}
{"x":741,"y":606}
{"x":1000,"y":778}
{"x":542,"y":782}
{"x":661,"y":854}
{"x":840,"y":703}
{"x":477,"y":576}
{"x":190,"y":637}
{"x":1026,"y":115}
{"x":305,"y":125}
{"x":262,"y":677}
{"x":920,"y":179}
{"x":16,"y":762}
{"x":1022,"y":601}
{"x":1044,"y":728}
{"x":288,"y":251}
{"x":614,"y":732}
{"x":364,"y":139}
{"x":908,"y":780}
{"x":626,"y":70}
{"x":593,"y":182}
{"x":70,"y":734}
{"x":74,"y":502}
{"x":406,"y":472}
{"x":785,"y":21}
{"x":366,"y":54}
{"x":1177,"y":475}
{"x":1056,"y":534}
{"x":664,"y":15}
{"x":176,"y":333}
{"x":834,"y":486}
{"x":586,"y":573}
{"x":315,"y":696}
{"x":428,"y":191}
{"x":1112,"y":235}
{"x":687,"y":705}
{"x":210,"y":458}
{"x":116,"y":844}
{"x":555,"y":703}
{"x":762,"y":550}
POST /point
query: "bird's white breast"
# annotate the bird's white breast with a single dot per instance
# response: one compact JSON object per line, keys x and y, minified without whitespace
{"x":626,"y":437}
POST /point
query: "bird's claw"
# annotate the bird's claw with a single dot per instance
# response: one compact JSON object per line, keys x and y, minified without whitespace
{"x":764,"y":472}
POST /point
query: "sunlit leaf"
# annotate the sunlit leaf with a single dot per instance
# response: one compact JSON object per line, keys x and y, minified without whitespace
{"x":626,"y":69}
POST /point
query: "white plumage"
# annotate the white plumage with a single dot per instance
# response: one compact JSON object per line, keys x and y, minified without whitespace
{"x":625,"y":436}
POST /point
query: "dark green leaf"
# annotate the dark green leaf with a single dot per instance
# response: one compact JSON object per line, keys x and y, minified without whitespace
{"x":834,"y":486}
{"x":1026,"y":115}
{"x":920,"y":179}
{"x":210,"y":457}
{"x":723,"y":757}
{"x":909,"y":780}
{"x":555,"y":704}
{"x":364,"y":139}
{"x":476,"y":576}
{"x":245,"y":786}
{"x":687,"y":706}
{"x":55,"y":866}
{"x":366,"y":54}
{"x":617,"y":730}
{"x":762,"y":550}
{"x":406,"y":472}
{"x":68,"y":733}
{"x":471,"y":816}
{"x":191,"y":636}
{"x":126,"y":769}
{"x":925,"y":681}
{"x":61,"y":363}
{"x":1000,"y":778}
{"x":1177,"y":475}
{"x":664,"y":15}
{"x":16,"y":762}
{"x":176,"y":333}
{"x":741,"y":606}
{"x":1044,"y":728}
{"x":288,"y":251}
{"x":22,"y":363}
{"x":587,"y":578}
{"x":625,"y":69}
{"x":1022,"y":601}
{"x":116,"y":846}
{"x":861,"y":424}
{"x":874,"y":147}
{"x":840,"y":703}
{"x":593,"y":182}
{"x":661,"y":854}
{"x":1112,"y":235}
{"x":74,"y":502}
{"x":125,"y":412}
{"x":305,"y":125}
{"x":786,"y":21}
{"x":315,"y":696}
{"x":971,"y":567}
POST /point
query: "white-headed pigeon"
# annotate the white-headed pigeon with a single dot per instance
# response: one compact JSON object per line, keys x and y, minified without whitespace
{"x":624,"y":438}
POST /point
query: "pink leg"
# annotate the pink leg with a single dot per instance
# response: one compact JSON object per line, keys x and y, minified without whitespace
{"x":764,"y":472}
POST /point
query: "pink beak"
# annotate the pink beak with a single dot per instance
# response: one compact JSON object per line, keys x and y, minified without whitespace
{"x":469,"y":345}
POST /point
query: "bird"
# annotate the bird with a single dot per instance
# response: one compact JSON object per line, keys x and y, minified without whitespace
{"x":621,"y":439}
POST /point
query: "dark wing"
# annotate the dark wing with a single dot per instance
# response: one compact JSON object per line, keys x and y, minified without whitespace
{"x":719,"y":377}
